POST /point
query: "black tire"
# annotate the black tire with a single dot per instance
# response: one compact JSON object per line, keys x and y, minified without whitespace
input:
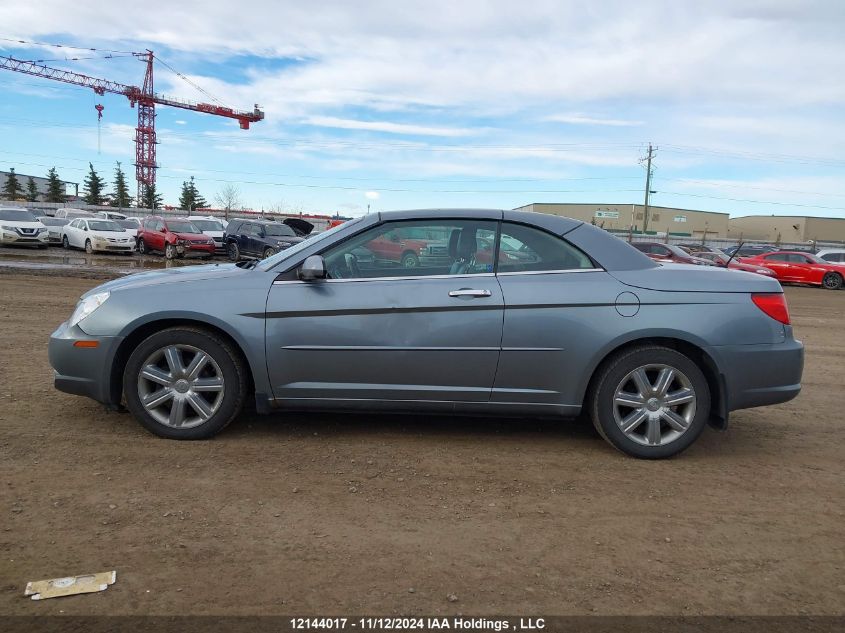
{"x":603,"y":389}
{"x":233,"y":251}
{"x":169,"y":251}
{"x":65,"y":242}
{"x":832,"y":281}
{"x":410,"y":260}
{"x":88,"y":248}
{"x":142,"y":247}
{"x":221,"y":351}
{"x":268,"y":252}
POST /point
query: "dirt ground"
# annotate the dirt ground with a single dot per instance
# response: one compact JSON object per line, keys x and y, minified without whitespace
{"x":383,"y":515}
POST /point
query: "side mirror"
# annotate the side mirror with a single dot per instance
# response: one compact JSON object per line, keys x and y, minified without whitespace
{"x":313,"y":268}
{"x":163,"y":230}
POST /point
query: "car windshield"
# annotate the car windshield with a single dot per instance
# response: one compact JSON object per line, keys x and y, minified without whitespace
{"x":79,"y":214}
{"x":815,"y":258}
{"x":208,"y":225}
{"x":127,"y":224}
{"x":182,"y":226}
{"x":279,"y":230}
{"x":105,"y":225}
{"x":270,"y":262}
{"x":15,"y":215}
{"x":715,"y":257}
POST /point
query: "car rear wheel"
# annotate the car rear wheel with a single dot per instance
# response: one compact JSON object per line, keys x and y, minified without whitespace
{"x":142,"y":247}
{"x":88,"y":248}
{"x":185,"y":383}
{"x":650,"y":402}
{"x":65,"y":243}
{"x":169,"y":251}
{"x":269,"y":252}
{"x":233,"y":251}
{"x":832,"y":281}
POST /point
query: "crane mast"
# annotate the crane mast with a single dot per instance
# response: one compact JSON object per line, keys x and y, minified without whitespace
{"x":144,"y":97}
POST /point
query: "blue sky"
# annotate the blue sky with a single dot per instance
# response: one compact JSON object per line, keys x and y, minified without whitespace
{"x":472,"y":103}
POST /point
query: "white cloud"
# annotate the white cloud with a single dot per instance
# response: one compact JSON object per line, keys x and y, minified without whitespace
{"x":580,"y":119}
{"x":386,"y":126}
{"x":372,"y":195}
{"x":180,"y":122}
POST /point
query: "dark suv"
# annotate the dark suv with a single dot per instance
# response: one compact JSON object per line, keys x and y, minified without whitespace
{"x":260,"y":238}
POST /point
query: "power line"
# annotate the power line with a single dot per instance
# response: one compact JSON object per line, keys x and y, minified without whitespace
{"x":188,"y":81}
{"x":52,"y":45}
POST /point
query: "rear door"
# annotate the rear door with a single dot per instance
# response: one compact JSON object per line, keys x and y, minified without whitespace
{"x":377,"y":332}
{"x":779,"y":263}
{"x":556,"y":299}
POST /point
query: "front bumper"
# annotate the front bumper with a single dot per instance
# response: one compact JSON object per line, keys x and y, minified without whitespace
{"x":16,"y":239}
{"x":200,"y":248}
{"x":83,"y":371}
{"x":760,"y":375}
{"x":113,"y":247}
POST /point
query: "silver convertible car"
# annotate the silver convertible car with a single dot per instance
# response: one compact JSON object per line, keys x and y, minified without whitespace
{"x":529,"y":315}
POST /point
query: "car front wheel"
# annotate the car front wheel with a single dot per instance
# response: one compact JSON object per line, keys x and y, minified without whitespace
{"x":170,"y":251}
{"x":142,"y":247}
{"x":65,"y":243}
{"x":233,"y":251}
{"x":650,"y":402}
{"x":88,"y":248}
{"x":185,"y":383}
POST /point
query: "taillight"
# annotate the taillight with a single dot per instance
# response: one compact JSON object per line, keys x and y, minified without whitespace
{"x":773,"y":304}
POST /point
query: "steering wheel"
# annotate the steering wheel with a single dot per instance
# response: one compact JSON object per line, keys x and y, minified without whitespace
{"x":349,"y":270}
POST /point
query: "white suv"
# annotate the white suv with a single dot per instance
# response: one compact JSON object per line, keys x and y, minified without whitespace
{"x":18,"y":227}
{"x":211,"y":226}
{"x":832,"y":255}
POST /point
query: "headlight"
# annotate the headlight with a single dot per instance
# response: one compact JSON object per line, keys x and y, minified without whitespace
{"x":43,"y":229}
{"x":86,"y":306}
{"x":210,"y":241}
{"x":8,"y":228}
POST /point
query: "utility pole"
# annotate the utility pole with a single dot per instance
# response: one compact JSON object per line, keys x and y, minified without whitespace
{"x":647,"y":186}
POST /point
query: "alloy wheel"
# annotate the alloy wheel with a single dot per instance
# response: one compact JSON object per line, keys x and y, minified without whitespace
{"x":181,"y":386}
{"x":654,"y":405}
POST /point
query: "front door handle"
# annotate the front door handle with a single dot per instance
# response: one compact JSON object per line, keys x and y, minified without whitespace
{"x":469,"y":292}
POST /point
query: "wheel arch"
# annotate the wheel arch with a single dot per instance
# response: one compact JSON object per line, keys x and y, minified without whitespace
{"x":691,"y":348}
{"x":136,"y":332}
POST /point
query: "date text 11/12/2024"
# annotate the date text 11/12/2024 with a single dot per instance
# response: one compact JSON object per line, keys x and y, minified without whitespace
{"x":456,"y":623}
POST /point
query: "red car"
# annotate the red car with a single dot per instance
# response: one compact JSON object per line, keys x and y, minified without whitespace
{"x":800,"y":268}
{"x":669,"y":253}
{"x":722,"y":260}
{"x":172,"y":236}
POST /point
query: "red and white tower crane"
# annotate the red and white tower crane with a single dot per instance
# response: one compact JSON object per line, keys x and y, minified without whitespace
{"x":144,"y":97}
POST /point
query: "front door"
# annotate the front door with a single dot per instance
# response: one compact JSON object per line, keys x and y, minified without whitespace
{"x":376,"y":331}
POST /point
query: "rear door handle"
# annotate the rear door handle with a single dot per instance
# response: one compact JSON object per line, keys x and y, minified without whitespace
{"x":469,"y":292}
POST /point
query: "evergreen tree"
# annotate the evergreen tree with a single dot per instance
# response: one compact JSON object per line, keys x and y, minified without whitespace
{"x":93,"y":187}
{"x":190,"y":198}
{"x":186,"y":199}
{"x":55,"y":187}
{"x":12,"y":188}
{"x":150,"y":199}
{"x":199,"y":201}
{"x":121,"y":197}
{"x":31,"y":190}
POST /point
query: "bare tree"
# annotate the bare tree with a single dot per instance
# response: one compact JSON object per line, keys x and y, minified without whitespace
{"x":229,"y":197}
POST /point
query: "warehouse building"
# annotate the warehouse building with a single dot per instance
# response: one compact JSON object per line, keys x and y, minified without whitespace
{"x":787,"y":228}
{"x":627,"y":217}
{"x":40,"y":183}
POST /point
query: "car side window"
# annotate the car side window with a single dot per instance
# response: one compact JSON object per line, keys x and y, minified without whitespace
{"x":417,"y":248}
{"x":778,"y":258}
{"x":528,"y":249}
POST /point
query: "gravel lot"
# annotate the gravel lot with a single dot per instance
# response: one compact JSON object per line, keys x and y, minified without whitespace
{"x":391,"y":514}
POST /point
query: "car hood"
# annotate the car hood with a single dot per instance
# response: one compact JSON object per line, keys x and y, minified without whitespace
{"x":22,"y":225}
{"x":170,"y":275}
{"x":108,"y":234}
{"x":300,"y":227}
{"x":693,"y":278}
{"x":192,"y":236}
{"x":286,"y":239}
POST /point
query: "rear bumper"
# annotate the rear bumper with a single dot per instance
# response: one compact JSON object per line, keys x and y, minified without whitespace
{"x":760,"y":375}
{"x":83,"y":371}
